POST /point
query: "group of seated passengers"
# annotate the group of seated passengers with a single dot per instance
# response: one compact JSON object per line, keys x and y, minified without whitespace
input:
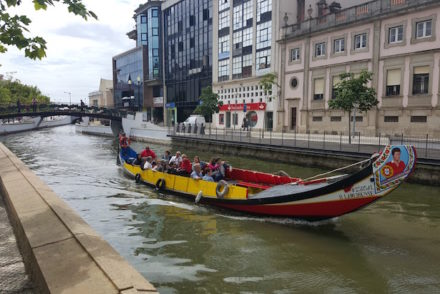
{"x":179,"y":164}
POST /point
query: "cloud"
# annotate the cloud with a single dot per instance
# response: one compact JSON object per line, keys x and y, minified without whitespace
{"x":79,"y":52}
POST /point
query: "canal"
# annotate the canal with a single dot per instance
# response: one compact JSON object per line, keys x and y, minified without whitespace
{"x":390,"y":246}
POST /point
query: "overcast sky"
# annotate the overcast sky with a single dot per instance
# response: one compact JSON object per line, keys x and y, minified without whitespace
{"x":79,"y":52}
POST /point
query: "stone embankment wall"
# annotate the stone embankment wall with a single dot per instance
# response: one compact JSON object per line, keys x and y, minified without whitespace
{"x":62,"y":253}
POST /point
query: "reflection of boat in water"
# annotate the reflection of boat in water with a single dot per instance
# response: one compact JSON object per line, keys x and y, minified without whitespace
{"x":31,"y":123}
{"x":284,"y":196}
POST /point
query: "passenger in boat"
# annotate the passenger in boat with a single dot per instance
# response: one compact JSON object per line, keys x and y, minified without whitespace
{"x":147,"y":164}
{"x":177,"y":159}
{"x":123,"y":140}
{"x":167,"y":155}
{"x":197,"y":172}
{"x":138,"y":160}
{"x":185,"y":167}
{"x":208,"y":175}
{"x":162,"y":166}
{"x":218,"y":168}
{"x":148,"y":152}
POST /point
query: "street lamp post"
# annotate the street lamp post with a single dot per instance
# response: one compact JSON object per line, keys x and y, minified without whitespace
{"x":139,"y":92}
{"x":129,"y":91}
{"x":70,"y":97}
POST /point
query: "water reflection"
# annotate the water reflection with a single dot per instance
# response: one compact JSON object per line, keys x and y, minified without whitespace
{"x":390,"y":246}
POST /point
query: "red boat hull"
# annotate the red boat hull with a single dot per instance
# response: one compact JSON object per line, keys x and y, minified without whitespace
{"x":318,"y":210}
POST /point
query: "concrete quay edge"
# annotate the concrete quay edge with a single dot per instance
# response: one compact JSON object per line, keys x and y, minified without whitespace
{"x":62,"y":253}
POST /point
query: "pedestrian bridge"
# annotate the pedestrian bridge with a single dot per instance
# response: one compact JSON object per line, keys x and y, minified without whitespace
{"x":42,"y":111}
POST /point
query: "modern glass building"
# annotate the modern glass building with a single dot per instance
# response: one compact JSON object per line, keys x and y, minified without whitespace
{"x":138,"y":72}
{"x":188,"y":54}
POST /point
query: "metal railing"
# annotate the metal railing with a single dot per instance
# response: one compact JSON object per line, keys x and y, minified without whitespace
{"x":376,"y":8}
{"x":427,"y":147}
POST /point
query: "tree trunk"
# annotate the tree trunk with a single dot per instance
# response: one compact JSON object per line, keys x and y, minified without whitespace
{"x":349,"y":127}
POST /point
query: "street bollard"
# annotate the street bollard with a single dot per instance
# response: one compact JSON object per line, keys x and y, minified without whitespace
{"x":359,"y":143}
{"x":426,"y":146}
{"x":282,"y":137}
{"x":324,"y":141}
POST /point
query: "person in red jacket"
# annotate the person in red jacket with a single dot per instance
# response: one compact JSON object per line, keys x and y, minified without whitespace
{"x":185,"y":167}
{"x":148,"y":152}
{"x":123,"y":140}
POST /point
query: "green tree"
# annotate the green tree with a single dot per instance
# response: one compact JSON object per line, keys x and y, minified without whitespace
{"x":353,"y":92}
{"x":13,"y":27}
{"x":5,"y":96}
{"x":209,"y":103}
{"x":268,"y":81}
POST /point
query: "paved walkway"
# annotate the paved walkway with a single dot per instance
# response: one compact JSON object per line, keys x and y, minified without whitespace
{"x":13,"y":278}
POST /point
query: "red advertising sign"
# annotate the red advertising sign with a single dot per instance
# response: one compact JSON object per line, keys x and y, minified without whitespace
{"x":240,"y":107}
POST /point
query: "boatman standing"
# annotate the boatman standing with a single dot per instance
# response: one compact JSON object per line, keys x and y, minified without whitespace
{"x":123,"y":140}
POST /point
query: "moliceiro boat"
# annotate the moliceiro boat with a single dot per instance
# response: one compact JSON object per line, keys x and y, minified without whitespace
{"x":316,"y":198}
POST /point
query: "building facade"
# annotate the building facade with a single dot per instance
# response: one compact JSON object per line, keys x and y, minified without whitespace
{"x":187,"y":64}
{"x":137,"y":73}
{"x":244,"y":35}
{"x":104,"y":96}
{"x":397,"y":40}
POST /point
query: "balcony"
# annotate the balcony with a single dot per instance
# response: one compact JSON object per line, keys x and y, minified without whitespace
{"x":359,"y":13}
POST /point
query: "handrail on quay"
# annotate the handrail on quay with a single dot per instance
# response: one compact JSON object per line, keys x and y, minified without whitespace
{"x":428,"y":149}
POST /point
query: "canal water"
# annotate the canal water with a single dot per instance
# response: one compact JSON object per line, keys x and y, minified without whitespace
{"x":390,"y":246}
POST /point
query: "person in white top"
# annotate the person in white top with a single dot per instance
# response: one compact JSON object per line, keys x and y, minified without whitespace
{"x":177,"y":159}
{"x":147,"y":164}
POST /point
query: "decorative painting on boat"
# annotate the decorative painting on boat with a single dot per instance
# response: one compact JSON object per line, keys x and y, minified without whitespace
{"x":394,"y":164}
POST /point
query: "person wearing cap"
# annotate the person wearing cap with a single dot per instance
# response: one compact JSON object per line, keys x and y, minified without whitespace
{"x":148,"y":152}
{"x":177,"y":159}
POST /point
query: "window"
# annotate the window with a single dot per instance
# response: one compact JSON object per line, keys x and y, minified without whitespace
{"x":144,"y":37}
{"x":360,"y":41}
{"x":320,"y":49}
{"x":418,"y":119}
{"x":143,"y":19}
{"x":294,"y":54}
{"x":318,"y":94}
{"x":247,"y":37}
{"x":339,"y":45}
{"x":236,"y":67}
{"x":393,"y":82}
{"x":192,"y":20}
{"x":205,"y":14}
{"x":247,"y":66}
{"x":395,"y":34}
{"x":223,"y":4}
{"x":223,"y":69}
{"x":156,"y":52}
{"x":294,"y":82}
{"x":192,"y":43}
{"x":264,"y":35}
{"x":391,"y":119}
{"x":237,"y":39}
{"x":155,"y":31}
{"x":263,"y":6}
{"x":335,"y":118}
{"x":336,"y":81}
{"x":317,"y":118}
{"x":423,"y":29}
{"x":358,"y":118}
{"x":421,"y":80}
{"x":247,"y":13}
{"x":223,"y":20}
{"x":263,"y":59}
{"x":180,"y":45}
{"x":223,"y":47}
{"x":155,"y":12}
{"x":238,"y":17}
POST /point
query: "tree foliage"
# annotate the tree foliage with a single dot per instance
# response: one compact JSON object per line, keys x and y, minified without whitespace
{"x":352,"y":90}
{"x":14,"y":27}
{"x":11,"y":91}
{"x":209,"y":103}
{"x":268,"y":81}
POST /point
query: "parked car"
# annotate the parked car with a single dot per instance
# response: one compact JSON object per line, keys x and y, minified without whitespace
{"x":194,"y":119}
